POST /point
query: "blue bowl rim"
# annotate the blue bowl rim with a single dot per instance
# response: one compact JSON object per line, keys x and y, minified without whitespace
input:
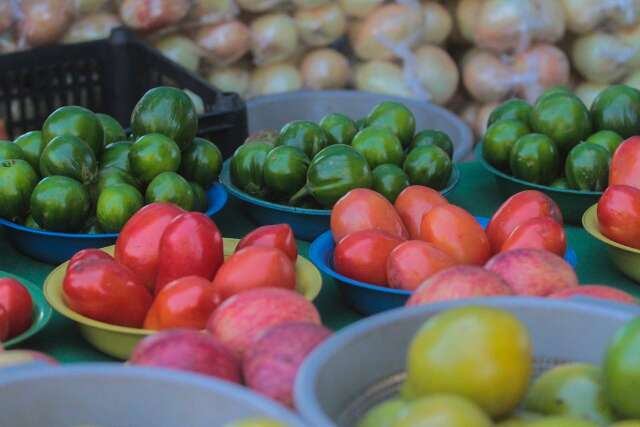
{"x":324,"y":267}
{"x":499,"y":173}
{"x":219,"y":193}
{"x":225,"y":179}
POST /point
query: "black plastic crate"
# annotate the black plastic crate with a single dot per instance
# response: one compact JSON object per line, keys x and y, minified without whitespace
{"x":107,"y":76}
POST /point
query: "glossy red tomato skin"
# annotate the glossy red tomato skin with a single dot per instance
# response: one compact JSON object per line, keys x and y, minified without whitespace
{"x":516,"y":210}
{"x":255,"y":267}
{"x":457,"y":233}
{"x":625,"y":164}
{"x":363,"y":255}
{"x":4,"y":325}
{"x":412,"y":262}
{"x":106,"y":291}
{"x":87,"y":254}
{"x":538,"y":233}
{"x":186,"y":302}
{"x":138,"y":244}
{"x":16,"y":300}
{"x":619,"y":215}
{"x":364,"y":209}
{"x":415,"y":201}
{"x":279,"y":236}
{"x":191,"y":245}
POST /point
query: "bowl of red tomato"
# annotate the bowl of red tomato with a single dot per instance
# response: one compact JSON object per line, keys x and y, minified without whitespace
{"x":615,"y":221}
{"x":379,"y":253}
{"x":23,"y":310}
{"x":171,"y":269}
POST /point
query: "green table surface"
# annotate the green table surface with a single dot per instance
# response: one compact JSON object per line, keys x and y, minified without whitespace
{"x":475,"y":192}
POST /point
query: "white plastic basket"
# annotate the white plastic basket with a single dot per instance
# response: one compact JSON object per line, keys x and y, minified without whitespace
{"x":364,"y":364}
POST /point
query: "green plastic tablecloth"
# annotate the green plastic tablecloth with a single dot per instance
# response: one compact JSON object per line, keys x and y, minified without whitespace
{"x":475,"y":192}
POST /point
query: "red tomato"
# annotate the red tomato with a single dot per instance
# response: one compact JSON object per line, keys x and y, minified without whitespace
{"x":415,"y":201}
{"x":16,"y":299}
{"x":363,"y":209}
{"x":625,"y":164}
{"x":619,"y":215}
{"x":414,"y":261}
{"x":191,"y":245}
{"x":86,"y":254}
{"x":255,"y":267}
{"x":4,"y":325}
{"x":516,"y":210}
{"x":363,"y":255}
{"x":538,"y":233}
{"x":106,"y":291}
{"x":184,"y":303}
{"x":138,"y":244}
{"x":279,"y":236}
{"x":457,"y":233}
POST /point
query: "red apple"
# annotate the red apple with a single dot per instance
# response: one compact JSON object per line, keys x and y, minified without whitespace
{"x":464,"y":281}
{"x":243,"y":317}
{"x":533,"y":272}
{"x":9,"y":358}
{"x":187,"y":350}
{"x":271,"y":362}
{"x":596,"y":291}
{"x":414,"y":261}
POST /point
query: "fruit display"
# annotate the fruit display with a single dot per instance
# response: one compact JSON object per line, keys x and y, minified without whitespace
{"x":313,"y":165}
{"x":489,"y":378}
{"x":437,"y":251}
{"x":83,"y":174}
{"x":559,"y":142}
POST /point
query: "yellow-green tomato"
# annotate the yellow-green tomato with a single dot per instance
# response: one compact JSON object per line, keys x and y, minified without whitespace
{"x":561,"y":422}
{"x":443,"y":410}
{"x":621,"y":371}
{"x":384,"y":414}
{"x":573,"y":389}
{"x":481,"y":353}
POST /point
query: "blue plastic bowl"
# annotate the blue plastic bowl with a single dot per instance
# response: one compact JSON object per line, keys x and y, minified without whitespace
{"x":363,"y":297}
{"x":54,"y":248}
{"x":307,"y":224}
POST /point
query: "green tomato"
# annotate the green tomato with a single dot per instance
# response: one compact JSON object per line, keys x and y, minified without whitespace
{"x":428,"y":165}
{"x":396,"y":117}
{"x":17,"y":181}
{"x":499,"y":139}
{"x":587,"y":167}
{"x":389,"y":180}
{"x":67,"y":155}
{"x":535,"y":158}
{"x":285,"y":170}
{"x":512,"y":109}
{"x":433,"y":137}
{"x":562,"y":118}
{"x":10,"y":151}
{"x":379,"y":146}
{"x":32,"y":146}
{"x":116,"y":204}
{"x":607,"y":139}
{"x":305,"y":135}
{"x":170,"y":187}
{"x":247,"y":168}
{"x":75,"y":121}
{"x":152,"y":155}
{"x":60,"y":203}
{"x":340,"y":129}
{"x":201,"y":162}
{"x":617,"y":108}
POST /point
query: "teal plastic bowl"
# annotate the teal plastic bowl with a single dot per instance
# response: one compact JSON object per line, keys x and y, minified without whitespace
{"x":572,"y":203}
{"x":307,"y":224}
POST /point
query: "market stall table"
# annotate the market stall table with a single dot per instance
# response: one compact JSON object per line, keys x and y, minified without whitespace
{"x":476,"y":192}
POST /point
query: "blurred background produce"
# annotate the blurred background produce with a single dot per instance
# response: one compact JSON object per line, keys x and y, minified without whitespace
{"x":466,"y":54}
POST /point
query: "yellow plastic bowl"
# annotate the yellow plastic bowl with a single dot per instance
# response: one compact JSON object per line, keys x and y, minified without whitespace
{"x":625,"y":258}
{"x":119,"y":341}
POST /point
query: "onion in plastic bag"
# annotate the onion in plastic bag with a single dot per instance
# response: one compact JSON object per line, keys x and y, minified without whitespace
{"x":359,"y":8}
{"x":305,"y":4}
{"x":213,"y":11}
{"x":485,"y":76}
{"x":467,"y":12}
{"x":381,"y":77}
{"x":437,"y":23}
{"x":436,"y":72}
{"x":231,"y":79}
{"x":584,"y":16}
{"x":325,"y":69}
{"x":43,"y":21}
{"x":540,"y":67}
{"x":275,"y":78}
{"x":224,"y":43}
{"x":92,"y":27}
{"x":588,"y":91}
{"x":180,"y":49}
{"x":274,"y":38}
{"x":392,"y":23}
{"x":601,"y":57}
{"x":631,"y":36}
{"x":322,"y":25}
{"x":146,"y":15}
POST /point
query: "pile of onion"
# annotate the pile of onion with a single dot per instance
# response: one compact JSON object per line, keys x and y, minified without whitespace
{"x":436,"y":73}
{"x":322,"y":25}
{"x":604,"y":58}
{"x":43,"y":22}
{"x":381,"y":77}
{"x":275,"y":78}
{"x":235,"y":78}
{"x":359,"y":8}
{"x":437,"y":23}
{"x":147,"y":15}
{"x":585,"y":16}
{"x":180,"y":49}
{"x":92,"y":27}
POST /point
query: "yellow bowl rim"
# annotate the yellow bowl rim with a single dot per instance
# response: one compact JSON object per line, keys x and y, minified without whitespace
{"x":53,"y":295}
{"x":591,"y":225}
